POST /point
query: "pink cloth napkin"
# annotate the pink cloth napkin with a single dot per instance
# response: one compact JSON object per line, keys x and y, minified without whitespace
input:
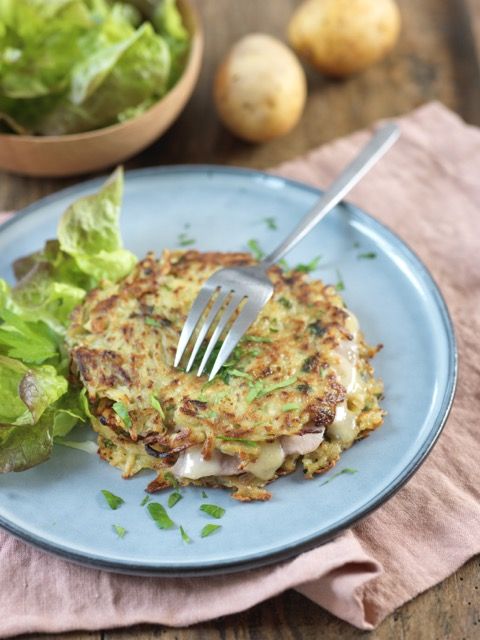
{"x":427,"y":189}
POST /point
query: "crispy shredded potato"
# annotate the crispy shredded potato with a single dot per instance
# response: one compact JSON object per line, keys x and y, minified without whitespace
{"x":298,"y":388}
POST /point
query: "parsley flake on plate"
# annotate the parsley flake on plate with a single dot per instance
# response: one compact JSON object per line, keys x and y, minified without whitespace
{"x":173,"y":498}
{"x":120,"y":531}
{"x":309,"y":267}
{"x":160,"y":516}
{"x":255,"y":249}
{"x":185,"y":537}
{"x":113,"y":501}
{"x":208,"y":529}
{"x":213,"y":510}
{"x":347,"y":470}
{"x":340,"y":286}
{"x":146,"y":499}
{"x":184,"y":240}
{"x":369,"y":255}
{"x":271,"y":223}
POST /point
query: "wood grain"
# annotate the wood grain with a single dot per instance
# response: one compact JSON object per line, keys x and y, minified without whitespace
{"x":437,"y":58}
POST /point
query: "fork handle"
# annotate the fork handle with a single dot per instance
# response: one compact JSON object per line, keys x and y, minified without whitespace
{"x":379,"y":144}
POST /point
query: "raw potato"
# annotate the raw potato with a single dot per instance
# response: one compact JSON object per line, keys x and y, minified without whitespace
{"x":260,"y":88}
{"x":341,"y":37}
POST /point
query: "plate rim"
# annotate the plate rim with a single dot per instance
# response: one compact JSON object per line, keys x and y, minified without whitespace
{"x":292,"y":549}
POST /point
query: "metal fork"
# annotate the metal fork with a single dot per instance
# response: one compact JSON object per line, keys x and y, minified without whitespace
{"x":228,"y":288}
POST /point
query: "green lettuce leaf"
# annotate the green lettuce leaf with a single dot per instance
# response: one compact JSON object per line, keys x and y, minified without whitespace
{"x":23,"y":447}
{"x":75,"y":65}
{"x":168,"y":22}
{"x":69,"y":411}
{"x":39,"y":295}
{"x":109,"y":83}
{"x":31,"y":342}
{"x":89,"y":232}
{"x":25,"y":393}
{"x":36,"y":401}
{"x":27,"y":446}
{"x":89,"y":249}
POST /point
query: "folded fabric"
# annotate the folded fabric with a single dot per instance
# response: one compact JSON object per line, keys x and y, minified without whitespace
{"x":427,"y":190}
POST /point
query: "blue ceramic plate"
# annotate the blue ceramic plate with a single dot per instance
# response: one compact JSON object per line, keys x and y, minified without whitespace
{"x":58,"y":505}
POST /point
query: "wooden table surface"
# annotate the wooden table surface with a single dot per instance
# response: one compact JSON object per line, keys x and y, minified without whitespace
{"x":437,"y":58}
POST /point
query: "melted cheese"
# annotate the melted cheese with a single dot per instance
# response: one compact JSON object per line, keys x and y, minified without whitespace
{"x":192,"y":465}
{"x":347,"y":351}
{"x":343,"y":428}
{"x":271,"y":457}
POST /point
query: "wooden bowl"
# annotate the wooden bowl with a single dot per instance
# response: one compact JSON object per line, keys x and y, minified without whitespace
{"x":77,"y":153}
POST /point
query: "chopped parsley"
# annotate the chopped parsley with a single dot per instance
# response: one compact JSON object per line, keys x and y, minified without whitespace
{"x":213,"y":510}
{"x":273,"y":326}
{"x":253,"y":353}
{"x":152,"y":322}
{"x":122,"y":412}
{"x":290,"y":406}
{"x":113,"y":501}
{"x":160,"y":516}
{"x":369,"y":255}
{"x":236,"y":373}
{"x":248,"y":443}
{"x":309,"y":267}
{"x":347,"y":470}
{"x":171,"y":479}
{"x":316,"y":328}
{"x":210,"y":415}
{"x":284,"y":264}
{"x":256,"y":339}
{"x":285,"y":302}
{"x":185,"y":537}
{"x":255,"y":249}
{"x":259,"y":389}
{"x":146,"y":499}
{"x":184,"y":240}
{"x":340,"y":286}
{"x":157,"y":406}
{"x":271,"y":223}
{"x":204,"y":494}
{"x":120,"y":531}
{"x":224,"y":373}
{"x":173,"y":498}
{"x":208,"y":529}
{"x":309,"y":364}
{"x":304,"y":388}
